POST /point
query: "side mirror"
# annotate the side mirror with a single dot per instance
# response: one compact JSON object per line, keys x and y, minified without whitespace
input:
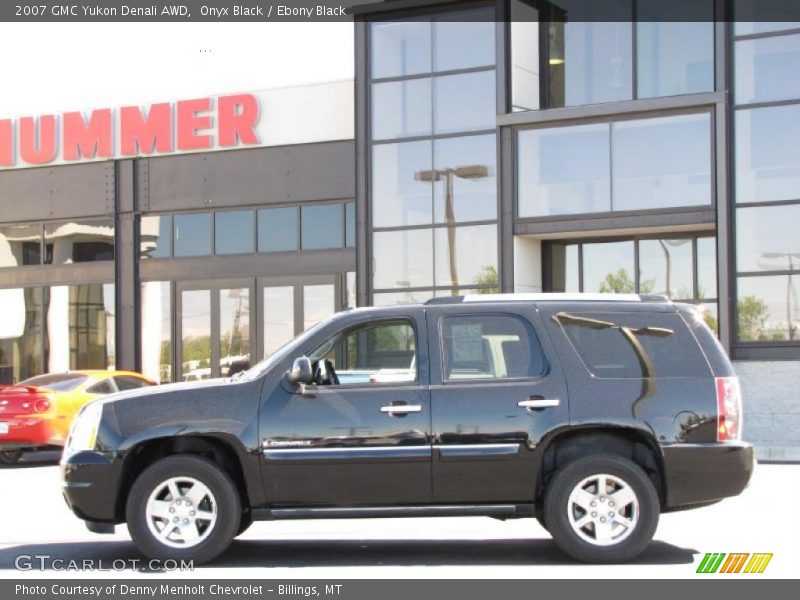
{"x":301,"y":371}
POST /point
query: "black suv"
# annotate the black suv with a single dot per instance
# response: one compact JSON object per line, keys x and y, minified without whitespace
{"x":591,"y":414}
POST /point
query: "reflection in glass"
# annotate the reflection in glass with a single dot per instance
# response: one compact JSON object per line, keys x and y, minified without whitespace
{"x":608,"y":268}
{"x":22,"y":327}
{"x":465,"y":176}
{"x":399,"y":196}
{"x":234,"y":331}
{"x":350,"y":289}
{"x":350,"y":224}
{"x":661,"y":162}
{"x":155,"y":235}
{"x":319,"y":303}
{"x":564,"y":170}
{"x":156,"y":337}
{"x":589,"y":63}
{"x":196,"y":334}
{"x":79,"y":241}
{"x":706,"y":267}
{"x":233,"y":232}
{"x":402,"y":259}
{"x":466,"y":43}
{"x":464,"y":102}
{"x":466,"y":256}
{"x":401,"y":109}
{"x":20,"y":245}
{"x":564,"y":269}
{"x":192,"y":234}
{"x":91,"y":330}
{"x":278,"y":317}
{"x":524,"y":56}
{"x":401,"y":298}
{"x":768,"y":308}
{"x":322,"y":226}
{"x":277,"y":229}
{"x":766,"y":69}
{"x":674,"y":57}
{"x":768,"y":238}
{"x":665,"y":267}
{"x":767,"y":161}
{"x":400,"y":48}
{"x":710,"y":314}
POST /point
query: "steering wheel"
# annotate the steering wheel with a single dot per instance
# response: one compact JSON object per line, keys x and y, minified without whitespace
{"x":333,"y":378}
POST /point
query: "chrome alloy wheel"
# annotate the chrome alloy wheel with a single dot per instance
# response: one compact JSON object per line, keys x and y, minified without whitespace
{"x":603,"y":510}
{"x":181,"y":512}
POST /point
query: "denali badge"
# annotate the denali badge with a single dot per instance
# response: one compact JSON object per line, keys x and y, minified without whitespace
{"x":285,"y":443}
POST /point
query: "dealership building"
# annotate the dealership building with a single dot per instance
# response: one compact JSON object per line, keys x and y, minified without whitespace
{"x":469,"y":154}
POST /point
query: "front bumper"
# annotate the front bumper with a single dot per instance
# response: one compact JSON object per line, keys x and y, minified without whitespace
{"x":90,"y":483}
{"x":699,"y":474}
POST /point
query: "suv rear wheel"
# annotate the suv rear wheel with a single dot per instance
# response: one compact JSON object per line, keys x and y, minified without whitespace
{"x":183,"y":507}
{"x":601,"y":509}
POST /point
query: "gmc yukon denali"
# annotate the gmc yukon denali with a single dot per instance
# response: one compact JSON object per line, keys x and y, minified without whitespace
{"x":590,"y":413}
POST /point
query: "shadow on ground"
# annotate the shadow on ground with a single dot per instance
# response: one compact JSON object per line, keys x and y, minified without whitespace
{"x":45,"y":458}
{"x":350,"y":553}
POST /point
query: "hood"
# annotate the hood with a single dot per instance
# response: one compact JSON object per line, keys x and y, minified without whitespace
{"x":169,"y":388}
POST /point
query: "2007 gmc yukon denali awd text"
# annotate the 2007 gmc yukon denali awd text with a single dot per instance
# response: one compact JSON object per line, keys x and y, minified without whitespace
{"x":593,"y":414}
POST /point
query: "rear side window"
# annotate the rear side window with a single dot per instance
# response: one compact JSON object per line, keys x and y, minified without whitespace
{"x":634,"y":345}
{"x":102,"y":387}
{"x":490,"y":347}
{"x":125,"y":382}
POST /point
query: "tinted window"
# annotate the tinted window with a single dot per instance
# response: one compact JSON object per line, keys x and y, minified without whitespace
{"x":634,"y":345}
{"x":125,"y":382}
{"x":489,"y":347}
{"x":58,"y":383}
{"x":350,"y":224}
{"x":79,"y":241}
{"x":192,"y":235}
{"x":322,"y":227}
{"x":277,"y":229}
{"x":102,"y":387}
{"x":234,"y":231}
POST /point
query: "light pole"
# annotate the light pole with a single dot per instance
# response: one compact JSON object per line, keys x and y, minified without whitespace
{"x":471,"y":172}
{"x":789,"y":312}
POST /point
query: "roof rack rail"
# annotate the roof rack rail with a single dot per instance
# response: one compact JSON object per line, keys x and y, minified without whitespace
{"x":548,"y":297}
{"x":444,"y":300}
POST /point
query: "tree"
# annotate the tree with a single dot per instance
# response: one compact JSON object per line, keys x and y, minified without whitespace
{"x":620,"y":282}
{"x":488,"y":280}
{"x":752,"y":312}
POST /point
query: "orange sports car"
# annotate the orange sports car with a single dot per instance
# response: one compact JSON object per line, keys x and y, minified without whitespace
{"x":36,"y":413}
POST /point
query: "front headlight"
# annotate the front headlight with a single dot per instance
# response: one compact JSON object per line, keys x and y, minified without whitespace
{"x":83,"y":432}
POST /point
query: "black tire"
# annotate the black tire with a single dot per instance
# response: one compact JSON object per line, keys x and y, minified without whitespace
{"x":10,"y":457}
{"x":556,"y":509}
{"x":244,"y":524}
{"x":228,"y":507}
{"x":542,"y":522}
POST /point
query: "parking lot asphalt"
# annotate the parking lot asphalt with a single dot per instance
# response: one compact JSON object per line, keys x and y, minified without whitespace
{"x":36,"y":523}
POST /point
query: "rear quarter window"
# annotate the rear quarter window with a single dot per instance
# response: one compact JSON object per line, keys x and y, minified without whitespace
{"x":634,"y":345}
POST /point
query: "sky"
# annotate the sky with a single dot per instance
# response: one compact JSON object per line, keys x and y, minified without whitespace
{"x":53,"y":67}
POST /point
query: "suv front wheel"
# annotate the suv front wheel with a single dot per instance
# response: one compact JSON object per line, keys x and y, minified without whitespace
{"x":601,"y":509}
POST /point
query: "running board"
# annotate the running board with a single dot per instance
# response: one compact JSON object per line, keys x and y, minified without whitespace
{"x":497,"y":511}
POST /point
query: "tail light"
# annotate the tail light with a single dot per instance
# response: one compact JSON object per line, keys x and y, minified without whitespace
{"x":729,"y":409}
{"x":42,"y":405}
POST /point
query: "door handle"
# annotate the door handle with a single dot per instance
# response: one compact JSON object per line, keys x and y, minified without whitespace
{"x":401,"y":408}
{"x":533,"y":403}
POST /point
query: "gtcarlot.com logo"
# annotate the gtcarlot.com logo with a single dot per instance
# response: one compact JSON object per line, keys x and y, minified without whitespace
{"x":45,"y":562}
{"x":734,"y":562}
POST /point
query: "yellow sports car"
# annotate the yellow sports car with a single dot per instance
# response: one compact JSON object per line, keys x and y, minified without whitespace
{"x":36,"y":413}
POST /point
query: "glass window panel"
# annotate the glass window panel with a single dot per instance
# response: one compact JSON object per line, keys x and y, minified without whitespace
{"x":79,"y":241}
{"x":666,"y":267}
{"x":91,"y":326}
{"x":20,"y":245}
{"x":196,"y":334}
{"x":465,"y":178}
{"x":401,"y":298}
{"x":564,"y":273}
{"x":464,"y":102}
{"x":277,"y":229}
{"x":589,"y":63}
{"x":466,"y":255}
{"x":468,"y":42}
{"x":192,"y":234}
{"x":278,"y":317}
{"x":767,"y":160}
{"x":400,"y":48}
{"x":768,"y":238}
{"x":322,"y":226}
{"x":674,"y":57}
{"x":22,"y":327}
{"x":350,"y":289}
{"x":156,"y":325}
{"x":155,"y":236}
{"x":234,"y":331}
{"x":768,"y":308}
{"x":608,"y":268}
{"x":753,"y":16}
{"x":706,"y":267}
{"x":402,"y":259}
{"x":524,"y":56}
{"x":766,"y":69}
{"x":661,"y":162}
{"x":564,"y":170}
{"x":400,"y":195}
{"x":401,"y":109}
{"x":350,"y":224}
{"x":319,"y":303}
{"x":234,"y":231}
{"x":751,"y":27}
{"x":709,"y":311}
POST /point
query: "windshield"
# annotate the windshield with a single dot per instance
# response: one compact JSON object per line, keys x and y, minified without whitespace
{"x":62,"y":382}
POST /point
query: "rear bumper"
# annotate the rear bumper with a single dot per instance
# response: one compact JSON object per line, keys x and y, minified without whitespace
{"x":90,"y":483}
{"x":28,"y":432}
{"x":698,"y":474}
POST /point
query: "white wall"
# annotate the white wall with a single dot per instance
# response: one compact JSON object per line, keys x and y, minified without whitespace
{"x":527,"y":264}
